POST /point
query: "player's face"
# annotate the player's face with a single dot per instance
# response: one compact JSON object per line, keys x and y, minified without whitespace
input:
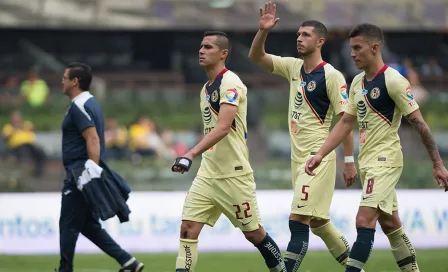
{"x":67,"y":84}
{"x":209,"y":53}
{"x":363,"y":51}
{"x":307,"y":40}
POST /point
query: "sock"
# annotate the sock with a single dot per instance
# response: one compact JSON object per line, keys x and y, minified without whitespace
{"x":271,"y":254}
{"x":298,"y":246}
{"x":403,"y":251}
{"x":335,"y":242}
{"x":361,"y":250}
{"x":187,"y":256}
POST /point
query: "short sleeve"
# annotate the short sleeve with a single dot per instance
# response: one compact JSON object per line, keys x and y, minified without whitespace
{"x":350,"y":108}
{"x":400,"y":91}
{"x":337,"y":92}
{"x":81,"y":117}
{"x":283,"y":66}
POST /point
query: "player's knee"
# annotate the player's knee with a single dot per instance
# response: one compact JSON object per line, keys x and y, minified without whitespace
{"x":389,"y":223}
{"x":366,"y":218}
{"x":316,"y":223}
{"x":304,"y":219}
{"x":256,"y":236}
{"x":190,"y":230}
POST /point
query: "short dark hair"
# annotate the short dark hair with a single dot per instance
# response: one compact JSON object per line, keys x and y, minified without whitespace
{"x":369,"y":31}
{"x":222,"y":40}
{"x":319,"y":28}
{"x":82,"y":72}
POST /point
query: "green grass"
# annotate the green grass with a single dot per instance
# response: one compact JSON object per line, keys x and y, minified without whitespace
{"x":315,"y":261}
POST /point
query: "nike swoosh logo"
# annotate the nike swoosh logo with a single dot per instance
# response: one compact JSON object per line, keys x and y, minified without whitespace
{"x":298,"y":206}
{"x":245,"y":224}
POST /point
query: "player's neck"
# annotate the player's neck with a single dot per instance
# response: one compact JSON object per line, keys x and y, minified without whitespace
{"x":310,"y":62}
{"x":373,"y":70}
{"x":213,"y":72}
{"x":74,"y":94}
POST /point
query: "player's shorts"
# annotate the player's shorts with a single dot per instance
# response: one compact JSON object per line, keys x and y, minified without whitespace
{"x":378,"y":187}
{"x":235,"y":197}
{"x":313,"y":194}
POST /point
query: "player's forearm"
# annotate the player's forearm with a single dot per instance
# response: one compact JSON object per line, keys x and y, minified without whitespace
{"x":427,"y":139}
{"x":212,"y":138}
{"x":93,"y":149}
{"x":348,"y":144}
{"x":257,"y":50}
{"x":340,"y":132}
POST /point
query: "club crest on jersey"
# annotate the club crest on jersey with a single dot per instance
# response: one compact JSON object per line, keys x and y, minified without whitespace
{"x":364,"y":92}
{"x":375,"y":93}
{"x":311,"y":86}
{"x":302,"y":84}
{"x":215,"y":96}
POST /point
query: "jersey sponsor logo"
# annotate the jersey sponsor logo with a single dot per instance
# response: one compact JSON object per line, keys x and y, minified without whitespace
{"x":410,"y":96}
{"x":408,"y":93}
{"x":375,"y":93}
{"x":362,"y":109}
{"x":207,"y":114}
{"x":364,"y":92}
{"x":311,"y":86}
{"x":294,"y":127}
{"x":231,"y":95}
{"x":343,"y":92}
{"x":215,"y":96}
{"x":207,"y":97}
{"x":302,"y":84}
{"x":362,"y":136}
{"x":298,"y":100}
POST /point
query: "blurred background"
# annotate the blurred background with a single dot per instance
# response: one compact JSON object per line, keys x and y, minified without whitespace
{"x":144,"y":55}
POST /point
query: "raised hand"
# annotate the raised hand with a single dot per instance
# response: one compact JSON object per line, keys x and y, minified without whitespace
{"x":267,"y":17}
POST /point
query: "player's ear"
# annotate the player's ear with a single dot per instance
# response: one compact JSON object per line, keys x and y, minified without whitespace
{"x":376,"y":48}
{"x":224,"y":53}
{"x":321,"y":41}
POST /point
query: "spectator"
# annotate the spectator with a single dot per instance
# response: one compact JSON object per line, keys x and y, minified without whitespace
{"x":20,"y":138}
{"x":169,"y":148}
{"x":10,"y":92}
{"x":140,"y":133}
{"x":432,"y":68}
{"x":418,"y":91}
{"x":34,"y":89}
{"x":116,"y":140}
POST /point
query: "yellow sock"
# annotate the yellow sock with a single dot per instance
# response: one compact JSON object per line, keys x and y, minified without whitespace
{"x":403,"y":251}
{"x":187,"y":256}
{"x":335,"y":242}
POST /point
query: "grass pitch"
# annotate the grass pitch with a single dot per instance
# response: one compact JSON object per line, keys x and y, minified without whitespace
{"x":315,"y":261}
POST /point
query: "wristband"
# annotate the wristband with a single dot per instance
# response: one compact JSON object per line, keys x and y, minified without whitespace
{"x":349,"y":159}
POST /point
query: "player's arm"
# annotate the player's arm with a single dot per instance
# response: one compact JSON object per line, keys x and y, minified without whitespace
{"x":338,"y":134}
{"x":400,"y":92}
{"x":419,"y":124}
{"x":257,"y":54}
{"x":86,"y":126}
{"x":227,"y":113}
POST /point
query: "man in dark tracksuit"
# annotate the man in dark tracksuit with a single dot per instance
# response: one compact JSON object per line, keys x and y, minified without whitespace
{"x":83,"y":139}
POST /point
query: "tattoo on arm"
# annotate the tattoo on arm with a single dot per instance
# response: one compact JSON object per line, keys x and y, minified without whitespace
{"x":427,"y":138}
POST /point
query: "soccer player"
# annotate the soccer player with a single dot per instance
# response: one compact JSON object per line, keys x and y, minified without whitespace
{"x":379,"y":97}
{"x":83,"y":139}
{"x":317,"y":90}
{"x":225,"y":182}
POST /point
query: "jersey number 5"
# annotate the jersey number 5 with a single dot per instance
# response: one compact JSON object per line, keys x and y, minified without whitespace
{"x":246,"y":210}
{"x":305,"y":192}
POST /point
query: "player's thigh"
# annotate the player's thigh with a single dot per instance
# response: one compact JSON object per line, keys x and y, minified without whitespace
{"x":313,"y":194}
{"x":199,"y":206}
{"x":378,"y":190}
{"x":74,"y":209}
{"x":237,"y":199}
